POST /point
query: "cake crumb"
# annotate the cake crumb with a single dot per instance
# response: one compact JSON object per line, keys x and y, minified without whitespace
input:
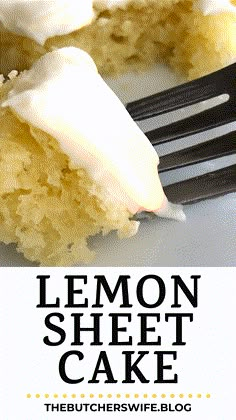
{"x":13,"y":74}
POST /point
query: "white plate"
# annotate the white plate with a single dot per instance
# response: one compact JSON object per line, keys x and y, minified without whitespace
{"x":207,"y":238}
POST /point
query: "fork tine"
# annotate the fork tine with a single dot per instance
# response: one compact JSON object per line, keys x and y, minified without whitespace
{"x":211,"y":118}
{"x":217,"y":147}
{"x":171,"y":99}
{"x":184,"y":95}
{"x":210,"y":185}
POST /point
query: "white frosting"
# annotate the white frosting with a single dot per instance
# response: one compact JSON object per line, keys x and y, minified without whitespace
{"x":42,"y":19}
{"x":63,"y":95}
{"x":212,"y":7}
{"x":109,"y":4}
{"x":208,"y":7}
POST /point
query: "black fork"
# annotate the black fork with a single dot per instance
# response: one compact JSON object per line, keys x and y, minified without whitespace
{"x":212,"y":184}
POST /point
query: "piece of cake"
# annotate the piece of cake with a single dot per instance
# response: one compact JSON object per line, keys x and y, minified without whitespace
{"x":194,"y":36}
{"x":72,"y":161}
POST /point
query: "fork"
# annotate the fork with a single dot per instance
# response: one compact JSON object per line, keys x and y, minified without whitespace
{"x":211,"y":184}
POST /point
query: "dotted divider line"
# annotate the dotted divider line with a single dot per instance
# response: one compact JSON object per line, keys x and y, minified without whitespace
{"x":55,"y":396}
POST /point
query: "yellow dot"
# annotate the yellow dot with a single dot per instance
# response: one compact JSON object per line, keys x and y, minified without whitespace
{"x":136,"y":395}
{"x":73,"y":395}
{"x":64,"y":395}
{"x":181,"y":395}
{"x":91,"y":395}
{"x":199,"y":395}
{"x":28,"y":396}
{"x":82,"y":395}
{"x":154,"y":395}
{"x":37,"y":395}
{"x":172,"y":395}
{"x":46,"y":395}
{"x":100,"y":395}
{"x":190,"y":395}
{"x":127,"y":395}
{"x":145,"y":395}
{"x":55,"y":395}
{"x":109,"y":395}
{"x":163,"y":395}
{"x":208,"y":395}
{"x":118,"y":395}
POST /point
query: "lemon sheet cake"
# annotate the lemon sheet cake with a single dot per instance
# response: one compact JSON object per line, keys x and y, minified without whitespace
{"x":73,"y":162}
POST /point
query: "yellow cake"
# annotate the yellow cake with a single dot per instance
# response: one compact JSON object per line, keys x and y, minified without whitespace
{"x":72,"y":161}
{"x":194,"y":36}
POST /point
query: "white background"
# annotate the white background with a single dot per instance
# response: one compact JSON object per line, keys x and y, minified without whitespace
{"x":205,"y":365}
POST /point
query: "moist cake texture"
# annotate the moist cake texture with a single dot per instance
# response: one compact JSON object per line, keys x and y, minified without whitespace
{"x":131,"y":35}
{"x":48,"y":207}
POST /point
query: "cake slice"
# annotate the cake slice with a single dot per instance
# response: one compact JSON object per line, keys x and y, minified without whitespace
{"x":195,"y":37}
{"x":73,"y":163}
